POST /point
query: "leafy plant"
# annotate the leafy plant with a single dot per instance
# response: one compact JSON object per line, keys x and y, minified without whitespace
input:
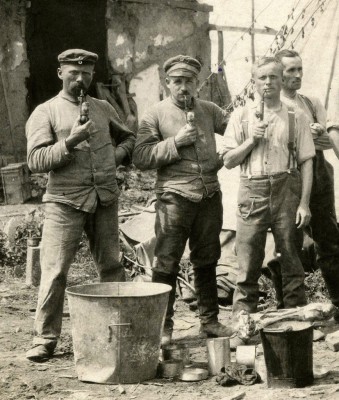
{"x":13,"y":255}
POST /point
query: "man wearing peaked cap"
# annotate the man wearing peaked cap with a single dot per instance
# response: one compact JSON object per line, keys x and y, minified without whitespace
{"x":182,"y":66}
{"x":177,"y":137}
{"x":80,"y":148}
{"x":77,"y":56}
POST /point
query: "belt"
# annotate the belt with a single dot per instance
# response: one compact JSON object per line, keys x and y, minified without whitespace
{"x":268,"y":176}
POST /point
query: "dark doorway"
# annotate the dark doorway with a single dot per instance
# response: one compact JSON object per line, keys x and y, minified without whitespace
{"x":54,"y":26}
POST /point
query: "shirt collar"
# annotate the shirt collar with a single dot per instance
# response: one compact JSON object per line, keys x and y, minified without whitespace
{"x":290,"y":97}
{"x":255,"y":104}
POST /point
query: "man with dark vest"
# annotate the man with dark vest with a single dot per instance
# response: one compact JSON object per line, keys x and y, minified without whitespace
{"x":80,"y":148}
{"x":274,"y":148}
{"x":177,"y":137}
{"x":323,"y":225}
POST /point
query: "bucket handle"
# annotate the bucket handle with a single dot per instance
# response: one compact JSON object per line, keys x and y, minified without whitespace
{"x":113,"y":325}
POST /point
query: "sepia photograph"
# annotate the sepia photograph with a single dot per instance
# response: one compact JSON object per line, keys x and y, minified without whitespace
{"x":169,"y":199}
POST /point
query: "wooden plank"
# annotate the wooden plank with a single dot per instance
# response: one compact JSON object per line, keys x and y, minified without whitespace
{"x":220,"y":47}
{"x":128,"y":214}
{"x":253,"y":33}
{"x":183,"y":4}
{"x":264,"y":31}
{"x":9,"y":215}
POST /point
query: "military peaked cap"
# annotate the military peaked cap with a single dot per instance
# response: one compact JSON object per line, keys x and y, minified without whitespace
{"x":77,"y":56}
{"x":182,"y":66}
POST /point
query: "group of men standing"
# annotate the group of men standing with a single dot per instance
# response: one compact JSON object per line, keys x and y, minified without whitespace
{"x":277,"y":141}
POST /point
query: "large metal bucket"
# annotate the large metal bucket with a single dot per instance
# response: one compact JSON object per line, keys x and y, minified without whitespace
{"x":116,"y":330}
{"x":288,"y":352}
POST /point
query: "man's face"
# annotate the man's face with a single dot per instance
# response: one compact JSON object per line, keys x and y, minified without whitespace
{"x":292,"y":73}
{"x":268,"y":80}
{"x":76,"y":77}
{"x":181,"y":86}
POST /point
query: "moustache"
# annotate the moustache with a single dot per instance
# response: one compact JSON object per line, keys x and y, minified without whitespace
{"x":78,"y":88}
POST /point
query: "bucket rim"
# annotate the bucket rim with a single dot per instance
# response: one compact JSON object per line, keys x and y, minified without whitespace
{"x":70,"y":290}
{"x":306,"y":325}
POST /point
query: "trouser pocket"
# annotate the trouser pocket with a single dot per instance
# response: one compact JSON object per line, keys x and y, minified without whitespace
{"x":252,"y":199}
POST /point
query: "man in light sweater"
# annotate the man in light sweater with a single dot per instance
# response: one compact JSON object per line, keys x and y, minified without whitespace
{"x":81,"y":158}
{"x":177,"y":137}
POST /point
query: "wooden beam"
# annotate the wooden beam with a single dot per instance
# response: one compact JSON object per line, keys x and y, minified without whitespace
{"x":220,"y":47}
{"x":264,"y":31}
{"x":183,"y":4}
{"x":252,"y":36}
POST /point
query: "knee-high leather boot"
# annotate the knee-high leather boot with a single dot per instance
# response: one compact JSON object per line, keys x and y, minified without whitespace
{"x":205,"y":282}
{"x":275,"y":269}
{"x":168,"y":279}
{"x":330,"y":272}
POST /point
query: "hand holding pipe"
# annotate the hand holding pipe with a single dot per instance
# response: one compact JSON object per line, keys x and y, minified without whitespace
{"x":262,"y":107}
{"x":260,"y":114}
{"x":190,"y":117}
{"x":84,"y":108}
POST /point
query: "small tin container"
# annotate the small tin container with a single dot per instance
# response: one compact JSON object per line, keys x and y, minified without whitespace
{"x":218,"y":354}
{"x":245,"y":355}
{"x":170,"y":368}
{"x":176,"y":352}
{"x":190,"y":374}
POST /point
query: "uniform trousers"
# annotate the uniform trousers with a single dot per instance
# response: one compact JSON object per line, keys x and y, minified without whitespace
{"x":268,"y":202}
{"x":178,"y":220}
{"x":324,"y":227}
{"x":62,"y":232}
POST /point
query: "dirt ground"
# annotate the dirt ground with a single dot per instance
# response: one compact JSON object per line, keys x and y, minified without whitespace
{"x":57,"y":378}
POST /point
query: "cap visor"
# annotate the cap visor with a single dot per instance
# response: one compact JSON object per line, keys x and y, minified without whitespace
{"x":186,"y":73}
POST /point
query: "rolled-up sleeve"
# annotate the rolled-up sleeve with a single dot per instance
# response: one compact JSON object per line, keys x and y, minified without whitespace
{"x":151,"y":151}
{"x":332,"y":124}
{"x":43,"y":153}
{"x":323,"y":141}
{"x":232,"y":137}
{"x":333,"y":118}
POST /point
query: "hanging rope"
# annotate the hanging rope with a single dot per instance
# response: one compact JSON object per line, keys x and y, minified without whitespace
{"x":285,"y":31}
{"x":223,"y":62}
{"x":312,"y":19}
{"x":249,"y":30}
{"x":248,"y":90}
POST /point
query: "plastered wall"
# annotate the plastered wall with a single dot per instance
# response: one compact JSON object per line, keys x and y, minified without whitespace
{"x":142,"y":36}
{"x":14,"y":71}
